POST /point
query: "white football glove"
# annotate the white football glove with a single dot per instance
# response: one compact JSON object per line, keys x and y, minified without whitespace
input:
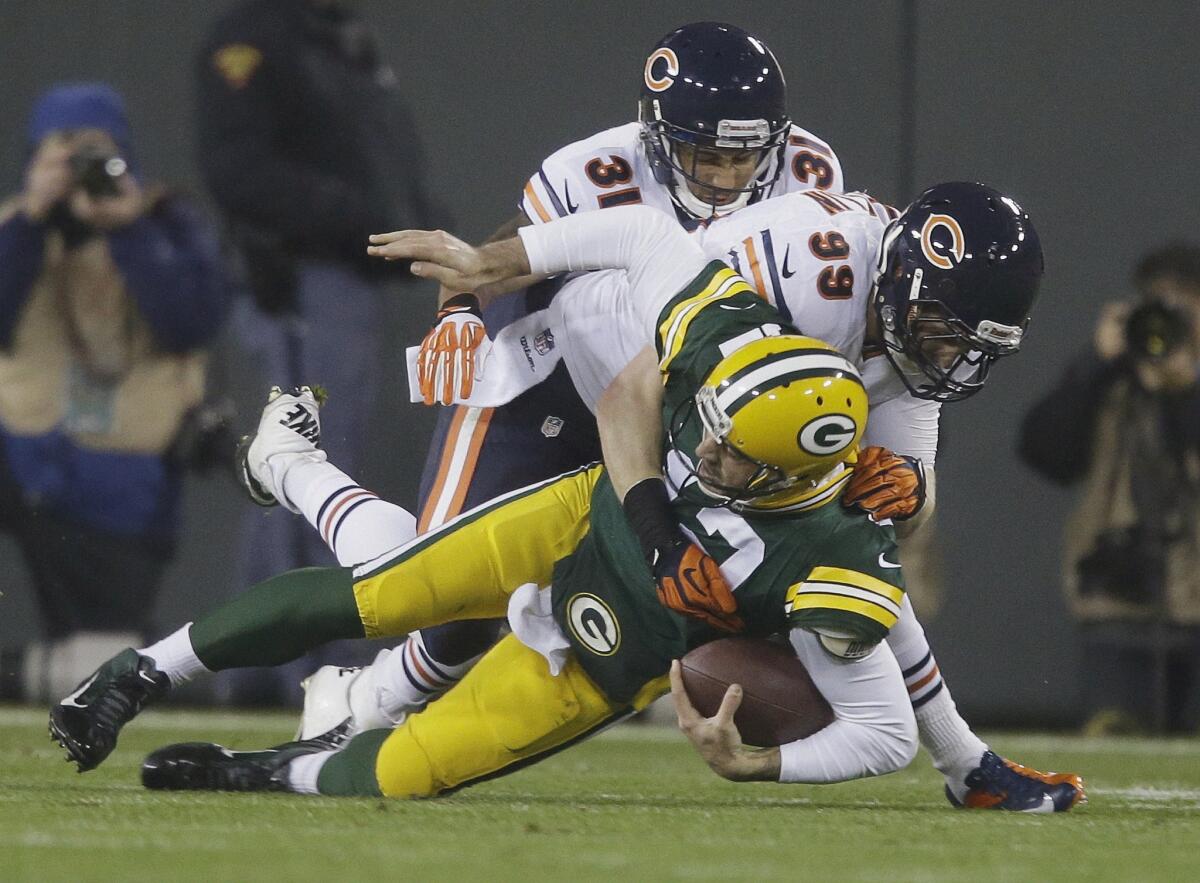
{"x":289,"y":430}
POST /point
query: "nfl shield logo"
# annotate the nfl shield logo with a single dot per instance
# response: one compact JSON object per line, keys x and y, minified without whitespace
{"x":552,"y":426}
{"x":543,"y":342}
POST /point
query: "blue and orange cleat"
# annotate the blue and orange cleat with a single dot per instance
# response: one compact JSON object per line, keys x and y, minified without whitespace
{"x":1001,"y":784}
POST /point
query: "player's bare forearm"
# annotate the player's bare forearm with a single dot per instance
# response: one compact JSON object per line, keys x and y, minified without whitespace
{"x":629,"y":417}
{"x":507,"y":230}
{"x":446,"y":259}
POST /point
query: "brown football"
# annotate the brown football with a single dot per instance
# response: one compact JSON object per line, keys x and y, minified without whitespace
{"x":780,"y":703}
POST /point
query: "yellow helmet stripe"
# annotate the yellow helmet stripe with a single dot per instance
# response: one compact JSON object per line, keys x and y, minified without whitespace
{"x":767,"y":374}
{"x":823,"y":601}
{"x":724,"y":284}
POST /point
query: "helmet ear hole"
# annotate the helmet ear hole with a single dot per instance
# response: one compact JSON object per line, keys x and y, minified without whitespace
{"x":820,"y":401}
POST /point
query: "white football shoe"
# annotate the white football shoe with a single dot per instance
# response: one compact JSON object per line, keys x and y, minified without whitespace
{"x":289,"y":430}
{"x":332,"y":694}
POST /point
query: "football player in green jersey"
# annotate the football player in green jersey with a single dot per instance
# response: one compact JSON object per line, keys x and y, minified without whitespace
{"x":762,"y":423}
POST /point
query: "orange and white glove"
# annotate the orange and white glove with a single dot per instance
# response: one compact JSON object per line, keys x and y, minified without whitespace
{"x":446,"y":365}
{"x":886,"y":485}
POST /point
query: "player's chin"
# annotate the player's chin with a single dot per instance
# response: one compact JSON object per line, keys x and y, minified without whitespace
{"x":704,"y":481}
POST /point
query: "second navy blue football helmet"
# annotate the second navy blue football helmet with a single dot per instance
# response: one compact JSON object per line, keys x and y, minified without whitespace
{"x":959,"y":271}
{"x":708,"y":86}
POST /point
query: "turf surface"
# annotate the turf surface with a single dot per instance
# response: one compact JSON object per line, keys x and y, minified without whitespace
{"x":633,"y":804}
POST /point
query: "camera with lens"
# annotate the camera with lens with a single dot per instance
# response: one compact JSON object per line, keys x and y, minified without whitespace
{"x":1155,"y":329}
{"x":96,"y":170}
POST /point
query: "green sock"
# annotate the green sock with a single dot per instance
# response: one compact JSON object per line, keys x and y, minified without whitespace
{"x":279,"y":619}
{"x":351,"y":772}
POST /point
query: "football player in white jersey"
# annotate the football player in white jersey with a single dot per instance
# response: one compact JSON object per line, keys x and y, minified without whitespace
{"x":713,"y":136}
{"x":927,"y":302}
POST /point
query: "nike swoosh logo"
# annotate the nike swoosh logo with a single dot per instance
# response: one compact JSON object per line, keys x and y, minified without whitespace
{"x":70,"y":700}
{"x":883,"y":562}
{"x":787,"y":273}
{"x":571,"y":207}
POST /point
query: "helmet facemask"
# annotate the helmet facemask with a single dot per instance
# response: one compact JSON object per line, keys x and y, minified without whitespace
{"x":663,"y":140}
{"x":917,"y":348}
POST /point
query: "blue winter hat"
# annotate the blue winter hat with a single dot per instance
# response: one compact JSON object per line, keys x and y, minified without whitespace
{"x":80,"y":106}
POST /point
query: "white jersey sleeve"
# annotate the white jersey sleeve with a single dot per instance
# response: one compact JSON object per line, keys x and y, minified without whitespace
{"x":874,"y":730}
{"x":899,"y":420}
{"x":658,"y":257}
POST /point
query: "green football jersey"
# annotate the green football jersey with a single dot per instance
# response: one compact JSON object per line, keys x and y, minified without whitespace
{"x":818,"y":565}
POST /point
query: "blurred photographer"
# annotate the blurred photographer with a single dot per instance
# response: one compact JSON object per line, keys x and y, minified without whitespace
{"x":109,"y":290}
{"x":1125,"y":422}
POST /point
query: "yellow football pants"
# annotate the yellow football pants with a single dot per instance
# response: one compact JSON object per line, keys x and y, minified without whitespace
{"x":506,"y":713}
{"x":508,"y":710}
{"x":468,"y":568}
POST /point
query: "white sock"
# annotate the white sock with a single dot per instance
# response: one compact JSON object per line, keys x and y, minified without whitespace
{"x":354,"y":523}
{"x":955,"y":749}
{"x":408,"y":677}
{"x":302,"y":772}
{"x":174,"y":656}
{"x":945,"y":735}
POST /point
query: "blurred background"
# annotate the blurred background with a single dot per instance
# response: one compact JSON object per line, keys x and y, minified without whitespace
{"x":1084,"y":111}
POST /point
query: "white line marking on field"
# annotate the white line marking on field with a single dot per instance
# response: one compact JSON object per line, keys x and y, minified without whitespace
{"x":1150,"y":793}
{"x":1004,"y":743}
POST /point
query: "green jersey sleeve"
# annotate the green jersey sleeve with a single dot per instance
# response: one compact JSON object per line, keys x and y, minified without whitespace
{"x":855,"y":588}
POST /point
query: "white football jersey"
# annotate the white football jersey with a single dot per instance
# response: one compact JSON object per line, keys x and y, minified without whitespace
{"x":611,"y":168}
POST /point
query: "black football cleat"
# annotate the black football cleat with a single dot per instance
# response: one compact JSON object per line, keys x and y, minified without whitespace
{"x":206,"y":766}
{"x":87,"y":722}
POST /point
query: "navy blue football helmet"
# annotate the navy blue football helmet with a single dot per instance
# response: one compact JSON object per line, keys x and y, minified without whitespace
{"x":958,"y":275}
{"x":710,"y":85}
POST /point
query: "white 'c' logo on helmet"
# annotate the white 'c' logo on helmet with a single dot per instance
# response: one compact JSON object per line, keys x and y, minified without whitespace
{"x":827,"y":434}
{"x":662,"y":84}
{"x":935,"y":252}
{"x":593,"y":624}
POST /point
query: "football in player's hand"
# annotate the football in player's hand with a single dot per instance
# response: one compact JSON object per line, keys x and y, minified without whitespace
{"x":780,"y":703}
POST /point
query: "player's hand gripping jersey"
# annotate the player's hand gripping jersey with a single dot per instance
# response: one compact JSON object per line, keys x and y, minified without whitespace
{"x":611,"y":169}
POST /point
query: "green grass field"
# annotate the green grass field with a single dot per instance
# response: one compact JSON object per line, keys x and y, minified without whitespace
{"x":634,"y":804}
